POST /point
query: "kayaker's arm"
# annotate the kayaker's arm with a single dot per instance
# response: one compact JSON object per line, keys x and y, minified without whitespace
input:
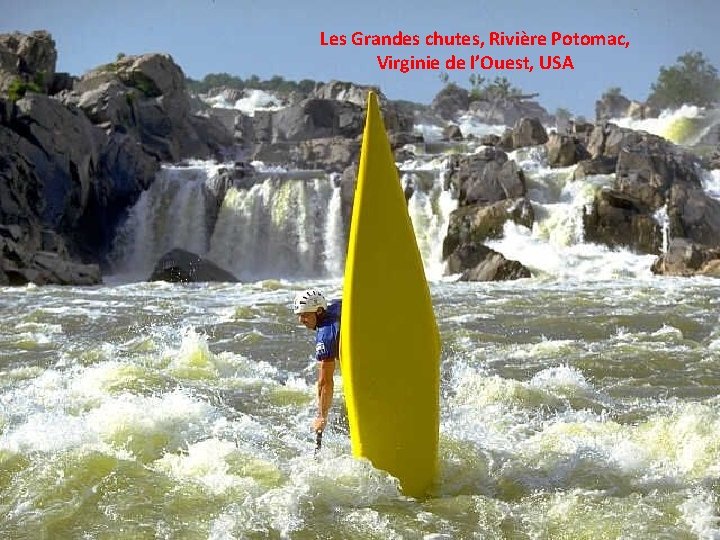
{"x":325,"y":386}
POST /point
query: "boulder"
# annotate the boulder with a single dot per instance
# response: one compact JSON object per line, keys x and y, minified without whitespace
{"x":480,"y":263}
{"x":449,"y":101}
{"x":477,"y":223}
{"x":486,"y":177}
{"x":181,"y":266}
{"x":593,"y":166}
{"x":694,"y":215}
{"x":528,"y":132}
{"x":332,"y":154}
{"x":618,"y":219}
{"x":452,"y":132}
{"x":317,"y":118}
{"x":648,"y":169}
{"x":611,"y":105}
{"x":609,"y":139}
{"x":564,"y":150}
{"x":685,"y":258}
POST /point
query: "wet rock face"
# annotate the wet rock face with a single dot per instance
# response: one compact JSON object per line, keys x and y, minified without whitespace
{"x":486,"y":177}
{"x":182,"y":266}
{"x":477,"y":262}
{"x":685,"y":258}
{"x":651,"y":175}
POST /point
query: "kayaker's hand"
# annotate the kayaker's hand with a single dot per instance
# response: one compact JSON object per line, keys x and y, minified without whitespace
{"x":319,"y":424}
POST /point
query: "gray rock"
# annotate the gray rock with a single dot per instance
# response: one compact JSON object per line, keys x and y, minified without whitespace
{"x":477,"y":223}
{"x":182,"y":266}
{"x":477,"y":179}
{"x":317,"y":118}
{"x":449,"y":101}
{"x":612,"y":105}
{"x":694,"y":215}
{"x":32,"y":57}
{"x":564,"y":150}
{"x":528,"y":132}
{"x":685,"y":258}
{"x":480,"y":263}
{"x":507,"y":111}
{"x":452,"y":133}
{"x":618,"y":219}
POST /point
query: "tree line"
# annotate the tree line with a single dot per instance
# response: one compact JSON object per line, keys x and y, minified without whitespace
{"x":276,"y":83}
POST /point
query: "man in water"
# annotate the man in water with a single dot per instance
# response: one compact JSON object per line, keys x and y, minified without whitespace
{"x":313,"y":311}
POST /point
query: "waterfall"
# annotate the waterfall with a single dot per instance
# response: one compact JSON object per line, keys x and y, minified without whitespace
{"x":284,"y":226}
{"x":171,"y":213}
{"x":429,"y":208}
{"x":280,"y":228}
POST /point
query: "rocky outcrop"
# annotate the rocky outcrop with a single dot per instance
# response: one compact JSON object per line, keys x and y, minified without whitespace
{"x":317,"y":118}
{"x":565,"y":150}
{"x":528,"y":132}
{"x":449,"y":101}
{"x":72,"y":163}
{"x":507,"y":111}
{"x":477,"y":223}
{"x":40,"y":257}
{"x":146,"y":97}
{"x":653,"y":178}
{"x":692,"y":214}
{"x":477,"y":262}
{"x":685,"y":258}
{"x":180,"y":266}
{"x":617,"y":219}
{"x":612,"y":104}
{"x":490,"y":191}
{"x":321,"y":132}
{"x":29,"y":58}
{"x":484,"y":178}
{"x":344,"y":91}
{"x":647,"y":167}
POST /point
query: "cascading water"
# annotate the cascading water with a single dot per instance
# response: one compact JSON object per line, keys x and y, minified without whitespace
{"x":278,"y":228}
{"x":281,"y":227}
{"x":171,"y":213}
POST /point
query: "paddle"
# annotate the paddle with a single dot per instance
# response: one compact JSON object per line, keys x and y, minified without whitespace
{"x":318,"y":441}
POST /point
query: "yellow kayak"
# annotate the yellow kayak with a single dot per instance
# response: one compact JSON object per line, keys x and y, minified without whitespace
{"x":390,"y":346}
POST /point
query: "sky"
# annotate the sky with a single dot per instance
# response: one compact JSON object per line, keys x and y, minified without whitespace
{"x":283,"y":37}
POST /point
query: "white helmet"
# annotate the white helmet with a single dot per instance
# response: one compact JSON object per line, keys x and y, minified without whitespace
{"x":308,"y":301}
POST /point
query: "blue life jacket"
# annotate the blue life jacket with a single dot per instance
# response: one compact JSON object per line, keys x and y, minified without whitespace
{"x":327,"y":337}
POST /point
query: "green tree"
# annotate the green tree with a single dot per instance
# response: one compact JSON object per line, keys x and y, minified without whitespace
{"x":476,"y":82}
{"x":692,"y":80}
{"x":613,"y":91}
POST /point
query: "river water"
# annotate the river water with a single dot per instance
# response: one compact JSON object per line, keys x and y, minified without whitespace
{"x":570,"y":409}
